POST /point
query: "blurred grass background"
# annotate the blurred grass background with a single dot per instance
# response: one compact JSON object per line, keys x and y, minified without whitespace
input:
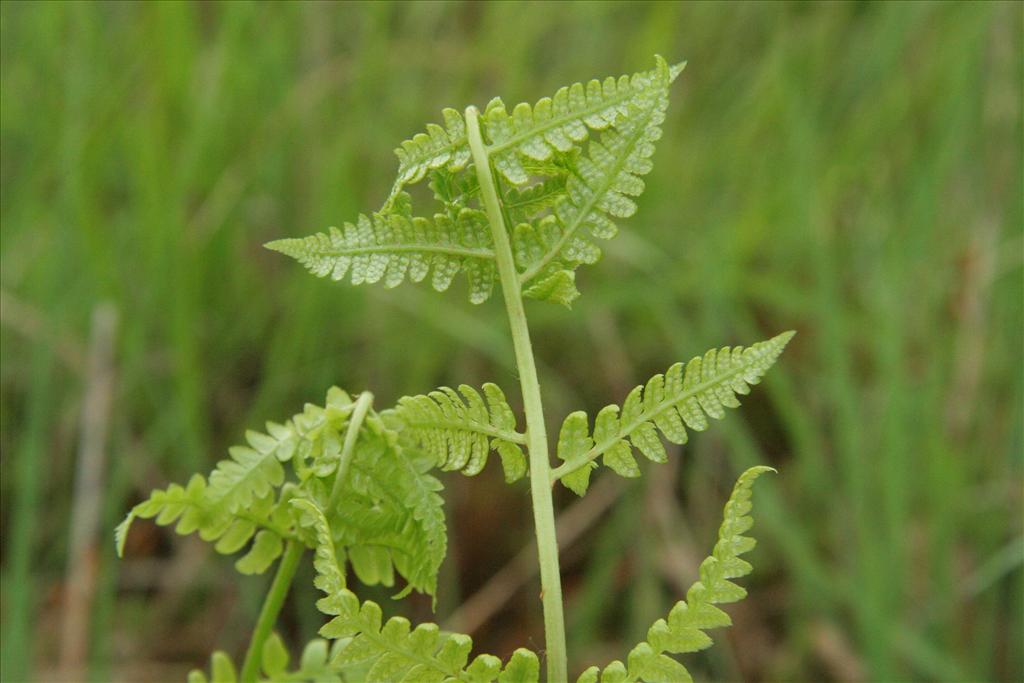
{"x":851,"y":171}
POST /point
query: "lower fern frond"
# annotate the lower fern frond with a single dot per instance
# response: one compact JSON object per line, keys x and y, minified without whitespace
{"x":392,"y":650}
{"x":265,"y":521}
{"x":313,"y":665}
{"x":311,"y":437}
{"x":684,"y":630}
{"x":389,"y":517}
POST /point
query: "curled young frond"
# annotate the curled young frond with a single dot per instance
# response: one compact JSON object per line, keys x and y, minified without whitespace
{"x":458,"y":429}
{"x":393,"y":246}
{"x":684,"y":629}
{"x":668,"y":404}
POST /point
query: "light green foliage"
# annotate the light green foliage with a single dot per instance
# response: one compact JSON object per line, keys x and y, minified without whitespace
{"x":355,"y":486}
{"x":558,"y":124}
{"x":394,"y":246}
{"x":668,"y":404}
{"x":438,"y":148}
{"x":194,"y":509}
{"x":554,"y":124}
{"x":313,"y":666}
{"x":458,"y":429}
{"x":599,"y":183}
{"x":222,"y":670}
{"x":390,"y":517}
{"x":330,"y":578}
{"x":558,"y":188}
{"x":684,"y":630}
{"x":573,"y":444}
{"x":392,"y":650}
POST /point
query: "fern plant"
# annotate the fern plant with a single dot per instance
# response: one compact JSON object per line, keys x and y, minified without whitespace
{"x":520,"y":195}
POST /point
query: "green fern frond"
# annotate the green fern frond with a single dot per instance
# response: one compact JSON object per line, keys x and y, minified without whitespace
{"x":357,"y":486}
{"x":668,"y":404}
{"x":575,"y":194}
{"x":553,"y":124}
{"x":559,"y":123}
{"x":684,"y":630}
{"x":602,"y":184}
{"x":389,"y":518}
{"x":440,"y":147}
{"x":311,"y":436}
{"x":525,"y":203}
{"x":393,"y":246}
{"x":222,"y":670}
{"x":391,"y":515}
{"x":313,"y":663}
{"x":264,"y":521}
{"x":330,"y":577}
{"x":251,"y":472}
{"x":581,"y":194}
{"x":458,"y":429}
{"x":256,"y":468}
{"x":393,"y":650}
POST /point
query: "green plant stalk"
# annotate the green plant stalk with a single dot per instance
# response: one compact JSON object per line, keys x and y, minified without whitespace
{"x":536,"y":435}
{"x":271,"y":608}
{"x":355,"y":422}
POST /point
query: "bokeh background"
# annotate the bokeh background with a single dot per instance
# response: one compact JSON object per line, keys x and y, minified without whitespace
{"x":851,"y":171}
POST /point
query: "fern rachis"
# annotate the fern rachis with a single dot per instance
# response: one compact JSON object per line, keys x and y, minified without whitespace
{"x":519,"y":193}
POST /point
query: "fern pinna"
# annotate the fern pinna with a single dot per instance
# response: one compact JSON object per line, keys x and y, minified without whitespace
{"x":520,"y":195}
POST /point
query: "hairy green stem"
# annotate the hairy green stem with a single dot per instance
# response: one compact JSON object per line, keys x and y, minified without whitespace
{"x":355,"y":423}
{"x":271,"y":608}
{"x":536,"y":435}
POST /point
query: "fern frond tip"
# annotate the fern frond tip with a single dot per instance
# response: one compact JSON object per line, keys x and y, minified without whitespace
{"x":784,"y":337}
{"x":675,"y":70}
{"x":282,"y":245}
{"x":684,"y":630}
{"x":756,"y":471}
{"x":121,"y":533}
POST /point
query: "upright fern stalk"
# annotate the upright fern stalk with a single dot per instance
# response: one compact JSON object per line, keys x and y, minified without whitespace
{"x":520,"y":198}
{"x":536,"y":434}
